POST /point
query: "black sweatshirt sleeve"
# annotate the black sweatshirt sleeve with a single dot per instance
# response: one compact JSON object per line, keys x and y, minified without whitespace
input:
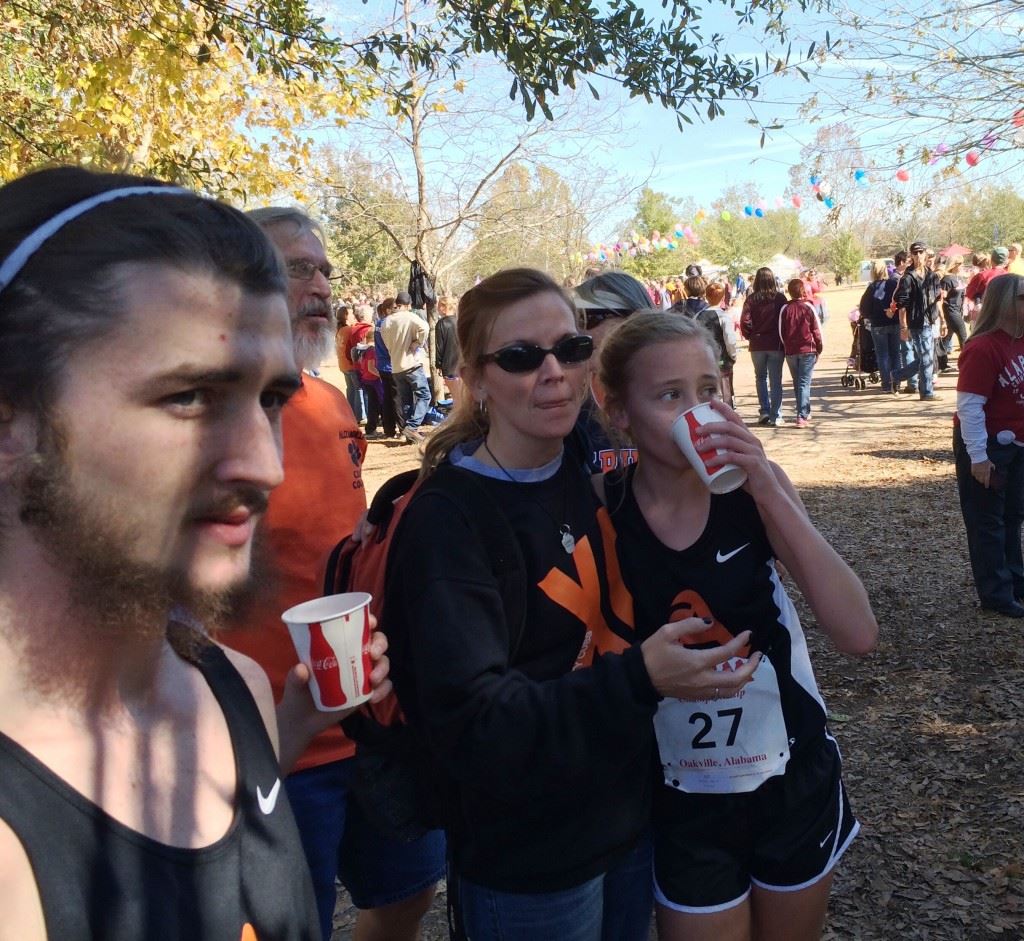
{"x":488,"y":722}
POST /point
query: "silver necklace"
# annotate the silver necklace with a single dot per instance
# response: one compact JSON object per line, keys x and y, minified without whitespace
{"x":564,"y":530}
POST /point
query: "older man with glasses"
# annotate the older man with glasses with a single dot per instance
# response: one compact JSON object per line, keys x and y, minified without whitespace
{"x":917,"y":299}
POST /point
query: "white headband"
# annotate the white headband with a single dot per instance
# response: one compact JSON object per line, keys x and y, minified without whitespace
{"x":32,"y":242}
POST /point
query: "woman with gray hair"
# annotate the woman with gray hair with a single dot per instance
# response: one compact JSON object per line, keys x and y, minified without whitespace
{"x":988,"y":445}
{"x":605,"y":301}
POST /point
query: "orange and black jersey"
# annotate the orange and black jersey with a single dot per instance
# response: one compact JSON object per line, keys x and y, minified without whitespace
{"x":729,"y":576}
{"x":548,"y":757}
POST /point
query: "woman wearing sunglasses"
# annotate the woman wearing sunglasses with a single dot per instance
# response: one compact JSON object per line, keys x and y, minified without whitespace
{"x":541,"y":729}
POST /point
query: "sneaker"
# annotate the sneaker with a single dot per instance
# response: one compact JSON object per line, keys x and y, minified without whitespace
{"x":412,"y":435}
{"x":802,"y":422}
{"x":776,"y":422}
{"x":1009,"y":610}
{"x":764,"y":420}
{"x":374,"y":435}
{"x":930,"y":397}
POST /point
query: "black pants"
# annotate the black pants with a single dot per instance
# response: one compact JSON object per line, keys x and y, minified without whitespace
{"x":389,"y":416}
{"x":954,"y":326}
{"x":993,"y":516}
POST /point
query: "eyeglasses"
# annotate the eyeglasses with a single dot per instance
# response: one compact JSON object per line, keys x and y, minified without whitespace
{"x":302,"y":270}
{"x":527,"y":357}
{"x":596,"y":315}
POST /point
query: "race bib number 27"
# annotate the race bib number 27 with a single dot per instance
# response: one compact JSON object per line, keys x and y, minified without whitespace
{"x":724,"y":746}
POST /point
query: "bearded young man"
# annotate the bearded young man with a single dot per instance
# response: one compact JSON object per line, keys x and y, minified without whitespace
{"x":146,"y":359}
{"x":319,"y":503}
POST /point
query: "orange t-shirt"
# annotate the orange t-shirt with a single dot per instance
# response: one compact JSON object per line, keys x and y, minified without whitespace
{"x":341,"y":347}
{"x":318,"y":504}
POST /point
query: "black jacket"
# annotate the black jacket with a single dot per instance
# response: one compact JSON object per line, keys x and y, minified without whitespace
{"x":919,"y":296}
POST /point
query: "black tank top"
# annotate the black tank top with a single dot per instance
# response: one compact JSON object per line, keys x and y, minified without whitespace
{"x":98,"y":879}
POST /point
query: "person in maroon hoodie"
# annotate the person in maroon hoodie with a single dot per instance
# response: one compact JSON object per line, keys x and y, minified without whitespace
{"x":801,"y":341}
{"x":759,"y":323}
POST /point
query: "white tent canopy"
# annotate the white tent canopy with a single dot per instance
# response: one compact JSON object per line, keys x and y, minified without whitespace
{"x":783,"y":266}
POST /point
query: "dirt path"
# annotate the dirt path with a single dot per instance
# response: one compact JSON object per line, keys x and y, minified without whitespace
{"x":930,"y":724}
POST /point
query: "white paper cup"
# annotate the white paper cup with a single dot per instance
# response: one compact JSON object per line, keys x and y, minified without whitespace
{"x":332,"y":637}
{"x":686,"y":431}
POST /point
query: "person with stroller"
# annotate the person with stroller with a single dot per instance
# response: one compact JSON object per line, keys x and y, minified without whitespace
{"x":988,"y":434}
{"x":879,"y":314}
{"x":759,"y":325}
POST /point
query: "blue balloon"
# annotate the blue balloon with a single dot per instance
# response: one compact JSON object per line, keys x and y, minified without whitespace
{"x":829,"y":201}
{"x":860,"y":174}
{"x":759,"y":213}
{"x":748,"y":210}
{"x":815,"y":179}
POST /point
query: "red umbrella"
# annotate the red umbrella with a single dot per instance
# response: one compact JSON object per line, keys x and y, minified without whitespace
{"x":955,"y":250}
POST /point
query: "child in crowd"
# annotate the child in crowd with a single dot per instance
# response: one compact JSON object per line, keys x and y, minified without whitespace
{"x":365,"y":358}
{"x":751,"y":815}
{"x":801,"y":342}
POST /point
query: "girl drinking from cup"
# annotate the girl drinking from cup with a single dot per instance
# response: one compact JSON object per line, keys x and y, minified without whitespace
{"x":750,"y":815}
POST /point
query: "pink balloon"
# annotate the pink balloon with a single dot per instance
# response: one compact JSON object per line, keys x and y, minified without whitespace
{"x":903,"y":175}
{"x":797,"y":202}
{"x":972,"y":158}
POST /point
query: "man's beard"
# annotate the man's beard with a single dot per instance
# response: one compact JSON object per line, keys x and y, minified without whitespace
{"x":313,"y":344}
{"x":116,"y":599}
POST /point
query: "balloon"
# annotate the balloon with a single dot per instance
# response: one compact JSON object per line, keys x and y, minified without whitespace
{"x":942,"y":149}
{"x":761,"y":204}
{"x":815,"y":179}
{"x":797,"y":202}
{"x":1018,"y":118}
{"x":759,"y":212}
{"x":816,"y":188}
{"x":825,"y":189}
{"x":820,"y":198}
{"x":829,"y":202}
{"x":632,"y":253}
{"x":687,"y":232}
{"x":701,"y":215}
{"x":748,"y":210}
{"x":778,"y":202}
{"x":655,"y":235}
{"x":618,"y":247}
{"x":726,"y":215}
{"x":602,"y":257}
{"x":679,"y":232}
{"x":671,"y":246}
{"x":988,"y":141}
{"x":859,"y":174}
{"x":903,"y":175}
{"x":972,"y":158}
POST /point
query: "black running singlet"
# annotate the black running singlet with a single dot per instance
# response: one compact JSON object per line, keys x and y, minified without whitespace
{"x":99,"y":879}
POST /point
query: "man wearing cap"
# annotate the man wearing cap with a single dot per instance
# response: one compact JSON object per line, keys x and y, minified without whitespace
{"x":975,"y":289}
{"x":917,"y":302}
{"x":404,"y":334}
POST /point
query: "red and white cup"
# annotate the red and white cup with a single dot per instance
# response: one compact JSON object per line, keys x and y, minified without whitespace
{"x":332,"y":638}
{"x":685,"y":432}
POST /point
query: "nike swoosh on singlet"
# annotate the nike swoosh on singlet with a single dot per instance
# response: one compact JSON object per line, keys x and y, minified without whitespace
{"x":821,"y":845}
{"x":268,"y":803}
{"x":728,"y":555}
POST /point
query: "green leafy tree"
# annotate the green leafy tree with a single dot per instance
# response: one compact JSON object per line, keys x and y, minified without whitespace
{"x":845,"y":254}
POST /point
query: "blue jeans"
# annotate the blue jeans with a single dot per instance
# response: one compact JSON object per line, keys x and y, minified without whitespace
{"x":341,"y":843}
{"x":354,"y":394}
{"x":413,"y":393}
{"x":993,"y":517}
{"x":801,"y":368}
{"x":768,"y":372}
{"x":887,"y":352}
{"x":615,"y":906}
{"x":918,"y":371}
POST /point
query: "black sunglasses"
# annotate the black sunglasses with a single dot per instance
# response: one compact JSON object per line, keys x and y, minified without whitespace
{"x":596,"y":315}
{"x":527,"y":357}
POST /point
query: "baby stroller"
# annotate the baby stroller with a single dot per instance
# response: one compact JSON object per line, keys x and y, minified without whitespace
{"x":862,"y":366}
